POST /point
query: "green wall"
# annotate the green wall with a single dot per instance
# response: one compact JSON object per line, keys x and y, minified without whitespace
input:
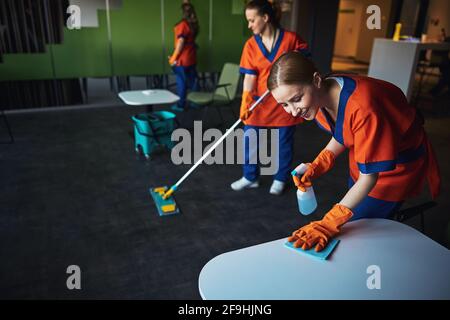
{"x":137,"y":45}
{"x":229,"y":34}
{"x":136,"y":38}
{"x":203,"y":53}
{"x":23,"y":66}
{"x":84,"y":52}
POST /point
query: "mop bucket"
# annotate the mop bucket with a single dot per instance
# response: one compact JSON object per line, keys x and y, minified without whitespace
{"x":152,"y":130}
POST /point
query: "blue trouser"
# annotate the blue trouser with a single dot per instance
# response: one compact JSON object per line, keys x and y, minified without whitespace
{"x":371,"y":207}
{"x":186,"y":78}
{"x":285,"y":153}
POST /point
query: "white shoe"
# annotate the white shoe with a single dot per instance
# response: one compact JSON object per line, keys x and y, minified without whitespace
{"x":277,"y":187}
{"x":244,"y":183}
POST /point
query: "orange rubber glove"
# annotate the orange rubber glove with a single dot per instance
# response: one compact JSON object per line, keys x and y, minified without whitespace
{"x":319,"y":233}
{"x":173,"y":59}
{"x":176,"y":52}
{"x":246,"y":103}
{"x":322,"y":164}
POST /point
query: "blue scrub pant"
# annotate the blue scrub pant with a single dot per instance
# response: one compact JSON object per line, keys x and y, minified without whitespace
{"x":373,"y":208}
{"x":186,"y":78}
{"x":285,"y":153}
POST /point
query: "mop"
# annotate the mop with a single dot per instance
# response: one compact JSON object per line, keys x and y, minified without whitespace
{"x":163,"y":197}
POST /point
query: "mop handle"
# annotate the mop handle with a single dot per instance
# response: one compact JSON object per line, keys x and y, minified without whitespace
{"x":253,"y":106}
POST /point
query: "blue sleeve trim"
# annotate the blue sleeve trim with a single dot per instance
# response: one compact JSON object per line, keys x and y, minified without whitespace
{"x":248,"y":71}
{"x":181,"y":36}
{"x":388,"y":165}
{"x":379,"y":166}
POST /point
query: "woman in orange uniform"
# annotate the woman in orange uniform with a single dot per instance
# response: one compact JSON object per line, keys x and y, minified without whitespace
{"x":268,"y":42}
{"x":183,"y":60}
{"x":390,"y":156}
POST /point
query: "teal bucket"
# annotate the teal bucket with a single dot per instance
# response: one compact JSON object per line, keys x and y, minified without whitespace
{"x":152,"y":130}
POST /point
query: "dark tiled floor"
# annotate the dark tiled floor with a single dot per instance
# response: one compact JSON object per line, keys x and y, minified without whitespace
{"x":74,"y":192}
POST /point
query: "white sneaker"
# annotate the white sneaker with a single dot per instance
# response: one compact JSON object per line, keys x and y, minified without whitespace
{"x":277,"y":187}
{"x":244,"y":183}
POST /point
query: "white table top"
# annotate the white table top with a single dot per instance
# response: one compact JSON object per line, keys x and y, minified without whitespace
{"x":412,"y":266}
{"x":148,"y":97}
{"x":420,"y":45}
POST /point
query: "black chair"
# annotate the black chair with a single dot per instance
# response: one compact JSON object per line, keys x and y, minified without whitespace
{"x":437,"y":60}
{"x":418,"y":210}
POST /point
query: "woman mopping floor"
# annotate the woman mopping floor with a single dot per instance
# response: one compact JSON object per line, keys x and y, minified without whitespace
{"x":268,"y":42}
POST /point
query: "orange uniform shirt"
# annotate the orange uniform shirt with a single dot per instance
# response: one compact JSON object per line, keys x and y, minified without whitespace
{"x":256,"y":60}
{"x":384,"y":135}
{"x":187,"y":56}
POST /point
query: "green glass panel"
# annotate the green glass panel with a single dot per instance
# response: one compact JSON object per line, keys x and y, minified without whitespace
{"x":84,"y":52}
{"x":137,"y":38}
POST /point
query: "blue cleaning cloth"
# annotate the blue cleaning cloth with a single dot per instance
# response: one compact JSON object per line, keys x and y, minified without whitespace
{"x":322,"y":255}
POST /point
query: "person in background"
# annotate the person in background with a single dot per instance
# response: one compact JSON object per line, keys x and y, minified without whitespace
{"x":390,"y":156}
{"x":268,"y":42}
{"x":183,"y":59}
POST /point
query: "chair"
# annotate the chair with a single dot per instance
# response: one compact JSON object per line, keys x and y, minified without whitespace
{"x":408,"y":213}
{"x":427,"y":65}
{"x":224,"y":93}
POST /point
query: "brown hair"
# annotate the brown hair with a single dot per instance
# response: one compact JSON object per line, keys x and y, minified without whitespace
{"x":291,"y":68}
{"x":266,"y":7}
{"x":191,"y":17}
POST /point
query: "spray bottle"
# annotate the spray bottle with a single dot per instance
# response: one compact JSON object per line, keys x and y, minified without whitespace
{"x":307,"y":202}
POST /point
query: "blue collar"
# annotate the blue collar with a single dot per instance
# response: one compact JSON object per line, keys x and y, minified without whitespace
{"x":346,"y":92}
{"x":330,"y":121}
{"x":269,"y":56}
